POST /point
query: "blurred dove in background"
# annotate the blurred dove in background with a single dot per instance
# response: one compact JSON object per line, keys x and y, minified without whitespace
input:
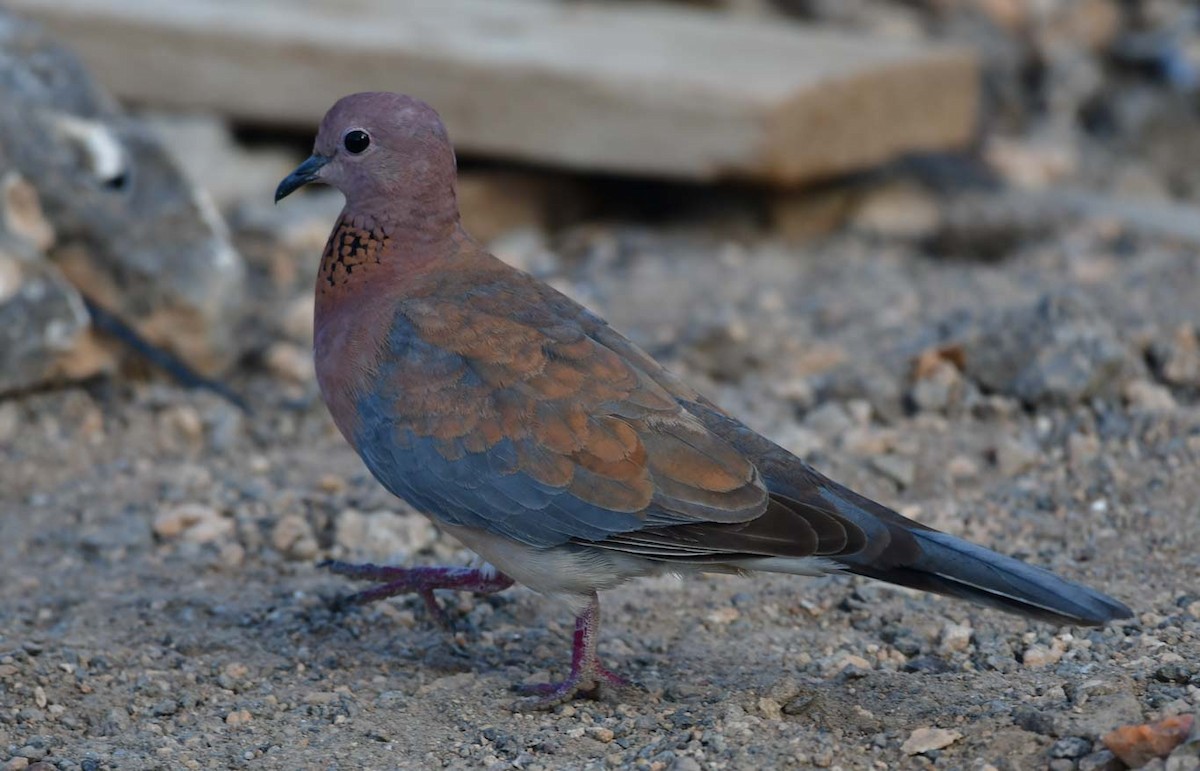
{"x":124,"y":228}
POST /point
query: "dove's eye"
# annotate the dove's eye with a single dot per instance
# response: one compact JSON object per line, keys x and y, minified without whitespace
{"x":356,"y":140}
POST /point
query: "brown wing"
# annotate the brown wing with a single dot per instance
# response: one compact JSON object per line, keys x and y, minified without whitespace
{"x":494,"y":407}
{"x":799,"y":526}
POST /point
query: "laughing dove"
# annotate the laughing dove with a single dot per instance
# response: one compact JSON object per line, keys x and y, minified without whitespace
{"x":548,"y":443}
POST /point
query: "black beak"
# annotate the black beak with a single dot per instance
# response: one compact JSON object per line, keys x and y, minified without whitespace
{"x":304,"y":173}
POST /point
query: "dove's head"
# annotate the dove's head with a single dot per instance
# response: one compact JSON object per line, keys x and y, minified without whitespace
{"x":388,"y":153}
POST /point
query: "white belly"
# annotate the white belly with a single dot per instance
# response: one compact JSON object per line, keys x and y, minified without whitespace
{"x":573,"y":572}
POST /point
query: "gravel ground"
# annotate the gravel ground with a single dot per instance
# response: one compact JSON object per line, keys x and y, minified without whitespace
{"x":160,"y":605}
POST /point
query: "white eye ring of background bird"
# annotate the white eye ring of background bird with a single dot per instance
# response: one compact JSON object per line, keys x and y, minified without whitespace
{"x":106,"y":157}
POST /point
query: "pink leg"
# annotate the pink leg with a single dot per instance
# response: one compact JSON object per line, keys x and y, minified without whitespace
{"x":587,"y":674}
{"x":421,"y":580}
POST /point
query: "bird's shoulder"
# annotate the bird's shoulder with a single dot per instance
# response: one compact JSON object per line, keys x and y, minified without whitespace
{"x":484,"y":309}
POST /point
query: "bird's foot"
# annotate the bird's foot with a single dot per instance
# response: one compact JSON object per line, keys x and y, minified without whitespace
{"x":587,"y":676}
{"x":585,"y":684}
{"x":419,"y":580}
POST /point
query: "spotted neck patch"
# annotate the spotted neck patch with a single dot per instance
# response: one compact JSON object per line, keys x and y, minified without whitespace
{"x":356,"y":244}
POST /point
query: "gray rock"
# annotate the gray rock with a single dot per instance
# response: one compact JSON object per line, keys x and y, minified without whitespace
{"x":1186,"y":757}
{"x":899,"y":469}
{"x":987,"y":226}
{"x":32,"y":752}
{"x":1014,"y":455}
{"x":898,"y":209}
{"x":1070,"y":747}
{"x":1038,"y":721}
{"x":1104,"y":712}
{"x":829,"y":419}
{"x":1058,"y":351}
{"x":1100,"y":761}
{"x":131,"y":230}
{"x":42,"y":318}
{"x":1177,"y":360}
{"x":1183,"y":762}
{"x":938,"y":390}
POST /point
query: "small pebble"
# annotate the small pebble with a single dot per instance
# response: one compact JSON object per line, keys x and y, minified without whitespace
{"x":185,"y":422}
{"x":1014,"y":456}
{"x":771,"y":709}
{"x":237,"y":718}
{"x":293,"y":537}
{"x":1103,"y":760}
{"x":955,"y":638}
{"x":1148,"y":395}
{"x":32,"y":752}
{"x":724,"y":616}
{"x":1137,"y":745}
{"x":297,"y":320}
{"x":1070,"y":747}
{"x":899,"y":469}
{"x":923,"y":740}
{"x":194,"y":522}
{"x":290,"y":362}
{"x":1039,"y":656}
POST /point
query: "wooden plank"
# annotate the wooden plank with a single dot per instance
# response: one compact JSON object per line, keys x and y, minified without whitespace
{"x":631,"y":89}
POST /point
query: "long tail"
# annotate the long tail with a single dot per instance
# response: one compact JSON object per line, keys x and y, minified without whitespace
{"x":954,"y":567}
{"x":901,"y":551}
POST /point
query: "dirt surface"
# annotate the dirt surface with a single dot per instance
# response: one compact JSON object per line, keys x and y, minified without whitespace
{"x":160,"y":604}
